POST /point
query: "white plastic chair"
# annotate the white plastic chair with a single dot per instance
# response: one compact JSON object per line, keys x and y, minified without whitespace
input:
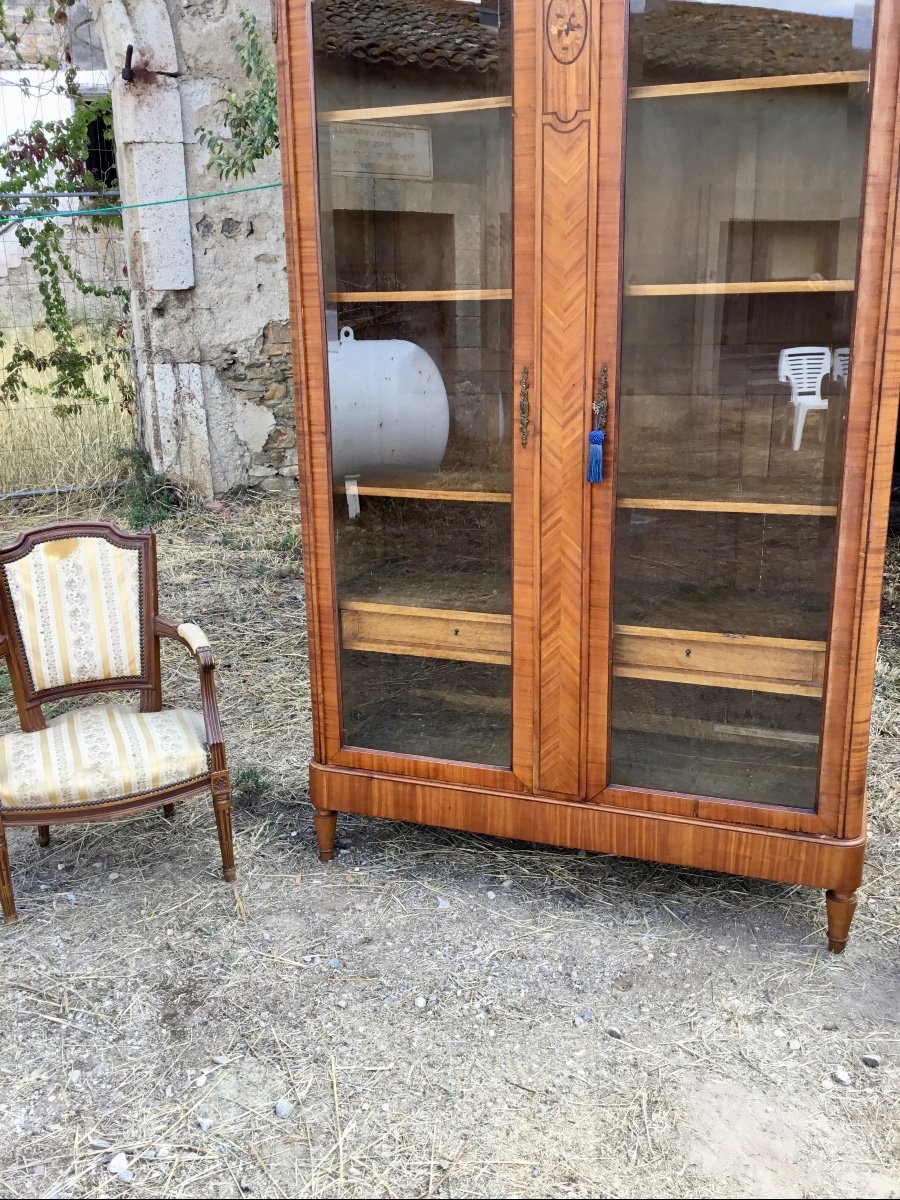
{"x":840,"y":368}
{"x":804,"y":368}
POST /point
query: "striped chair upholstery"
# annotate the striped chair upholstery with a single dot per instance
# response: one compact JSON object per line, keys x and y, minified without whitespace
{"x":108,"y":752}
{"x":77,"y":605}
{"x":79,"y":615}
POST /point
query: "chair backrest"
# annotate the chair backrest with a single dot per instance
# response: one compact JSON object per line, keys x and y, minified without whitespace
{"x":804,"y":368}
{"x":840,"y":370}
{"x":77,"y":605}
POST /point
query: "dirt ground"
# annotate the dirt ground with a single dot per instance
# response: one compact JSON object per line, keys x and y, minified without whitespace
{"x":445,"y":1015}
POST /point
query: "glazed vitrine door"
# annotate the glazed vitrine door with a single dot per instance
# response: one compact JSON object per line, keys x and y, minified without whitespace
{"x":426,"y":340}
{"x":733,"y":365}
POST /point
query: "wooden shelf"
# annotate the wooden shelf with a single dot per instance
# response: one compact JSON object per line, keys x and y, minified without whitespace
{"x":419,"y":297}
{"x":757,"y":83}
{"x":426,"y":632}
{"x":430,"y":579}
{"x":336,"y":116}
{"x":783,"y":665}
{"x":759,"y":287}
{"x":786,"y":666}
{"x":779,"y":286}
{"x":447,"y":710}
{"x":740,"y":767}
{"x":766,"y":508}
{"x":405,"y":492}
{"x":777,"y":612}
{"x":748,"y":288}
{"x":711,"y":731}
{"x":729,"y":495}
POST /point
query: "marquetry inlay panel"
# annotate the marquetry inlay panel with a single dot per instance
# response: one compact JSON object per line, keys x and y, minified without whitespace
{"x":567,"y":182}
{"x":567,"y":62}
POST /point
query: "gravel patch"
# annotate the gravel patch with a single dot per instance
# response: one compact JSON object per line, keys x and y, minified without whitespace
{"x":433,"y":1014}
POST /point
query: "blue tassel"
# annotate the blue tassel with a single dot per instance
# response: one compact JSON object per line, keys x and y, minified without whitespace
{"x":596,"y":438}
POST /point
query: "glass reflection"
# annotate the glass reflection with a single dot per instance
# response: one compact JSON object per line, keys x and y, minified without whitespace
{"x":415,"y":193}
{"x":746,"y":134}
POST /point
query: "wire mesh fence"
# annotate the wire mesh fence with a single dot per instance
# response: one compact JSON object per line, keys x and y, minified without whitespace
{"x":54,"y":436}
{"x":46,"y":441}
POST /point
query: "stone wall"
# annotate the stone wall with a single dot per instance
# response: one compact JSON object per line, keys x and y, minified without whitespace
{"x":38,"y":39}
{"x":41,"y":38}
{"x":239,"y":305}
{"x":208,"y":287}
{"x":208,"y":278}
{"x":262,"y":379}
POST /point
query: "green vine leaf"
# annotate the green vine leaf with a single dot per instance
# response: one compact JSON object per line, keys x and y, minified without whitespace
{"x":51,"y":157}
{"x":251,"y":119}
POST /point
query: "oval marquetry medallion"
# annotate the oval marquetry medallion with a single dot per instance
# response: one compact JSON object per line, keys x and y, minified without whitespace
{"x":566,"y":29}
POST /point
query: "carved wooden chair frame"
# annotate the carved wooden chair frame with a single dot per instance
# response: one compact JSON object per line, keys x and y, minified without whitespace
{"x":148,"y":684}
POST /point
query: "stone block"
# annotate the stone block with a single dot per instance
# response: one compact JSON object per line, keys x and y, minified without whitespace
{"x":149,"y":112}
{"x":180,"y":440}
{"x":277,"y":333}
{"x":281,"y":438}
{"x":164,"y":230}
{"x":278,"y":483}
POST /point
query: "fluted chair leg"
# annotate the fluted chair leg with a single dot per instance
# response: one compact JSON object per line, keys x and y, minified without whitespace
{"x":221,"y":793}
{"x":7,"y":899}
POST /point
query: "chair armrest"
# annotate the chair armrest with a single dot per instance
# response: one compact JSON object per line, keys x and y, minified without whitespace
{"x":193,"y":638}
{"x":190,"y":635}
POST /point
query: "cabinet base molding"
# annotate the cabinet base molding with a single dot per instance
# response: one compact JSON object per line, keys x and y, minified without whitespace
{"x":818,"y":862}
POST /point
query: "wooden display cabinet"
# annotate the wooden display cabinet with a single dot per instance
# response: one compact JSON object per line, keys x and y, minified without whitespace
{"x":511,"y":223}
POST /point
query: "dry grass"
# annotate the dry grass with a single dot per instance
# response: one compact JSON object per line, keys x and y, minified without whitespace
{"x":151,"y":1009}
{"x":43,"y":449}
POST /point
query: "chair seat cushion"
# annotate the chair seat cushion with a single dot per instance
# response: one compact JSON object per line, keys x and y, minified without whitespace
{"x":99,"y":754}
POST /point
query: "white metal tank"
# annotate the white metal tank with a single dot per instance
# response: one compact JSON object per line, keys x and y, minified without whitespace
{"x":389,"y":409}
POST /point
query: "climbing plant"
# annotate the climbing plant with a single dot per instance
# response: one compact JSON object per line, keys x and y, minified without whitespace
{"x":40,"y":165}
{"x":251,"y":119}
{"x":11,"y":38}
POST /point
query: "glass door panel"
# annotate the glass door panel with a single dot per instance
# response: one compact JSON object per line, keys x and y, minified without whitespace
{"x":415,"y":190}
{"x":745,"y":148}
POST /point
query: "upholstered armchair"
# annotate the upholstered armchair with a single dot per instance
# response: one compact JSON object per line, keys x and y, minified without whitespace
{"x":78,"y":615}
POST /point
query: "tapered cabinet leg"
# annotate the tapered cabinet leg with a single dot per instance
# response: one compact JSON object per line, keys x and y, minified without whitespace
{"x":221,"y":793}
{"x":43,"y":835}
{"x":169,"y":812}
{"x":326,"y":823}
{"x":7,"y":899}
{"x":840,"y":910}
